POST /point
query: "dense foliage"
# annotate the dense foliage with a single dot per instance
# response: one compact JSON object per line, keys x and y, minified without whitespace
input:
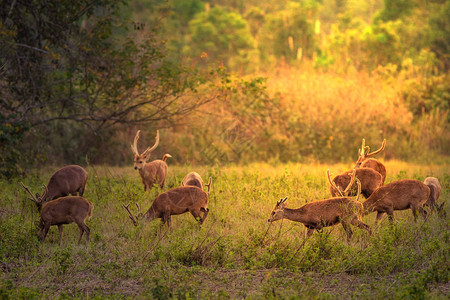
{"x":297,"y":80}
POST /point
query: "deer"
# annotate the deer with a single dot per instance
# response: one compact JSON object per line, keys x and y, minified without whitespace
{"x":318,"y":214}
{"x":398,"y":195}
{"x":175,"y":201}
{"x":369,"y":178}
{"x":70,"y":179}
{"x":435,"y":192}
{"x":63,"y":210}
{"x":365,"y":162}
{"x":150,"y":172}
{"x":194,"y":179}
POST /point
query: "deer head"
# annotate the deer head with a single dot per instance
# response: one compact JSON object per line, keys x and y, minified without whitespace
{"x":365,"y":153}
{"x":141,"y":159}
{"x":343,"y":193}
{"x":278,"y":211}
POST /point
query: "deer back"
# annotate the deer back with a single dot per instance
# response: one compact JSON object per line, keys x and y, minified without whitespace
{"x":177,"y":201}
{"x":400,"y":194}
{"x":435,"y":190}
{"x":194,"y":179}
{"x":67,"y":180}
{"x":369,"y":178}
{"x":377,"y":166}
{"x":331,"y":211}
{"x":66,"y":210}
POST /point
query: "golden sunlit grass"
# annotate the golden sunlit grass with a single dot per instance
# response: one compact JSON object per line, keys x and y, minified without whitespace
{"x":234,"y":254}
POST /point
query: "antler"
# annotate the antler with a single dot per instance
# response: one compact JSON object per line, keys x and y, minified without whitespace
{"x":359,"y":188}
{"x":150,"y":149}
{"x":133,"y":219}
{"x":333,"y":184}
{"x":282,"y":201}
{"x":209,"y":184}
{"x":33,"y":198}
{"x":352,"y":179}
{"x":377,"y":151}
{"x":134,"y":145}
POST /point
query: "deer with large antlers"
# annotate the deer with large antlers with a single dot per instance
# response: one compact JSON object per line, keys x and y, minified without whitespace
{"x":67,"y":180}
{"x":323,"y":213}
{"x":194,"y":179}
{"x":398,"y":195}
{"x":364,"y":160}
{"x":175,"y":201}
{"x":369,"y":178}
{"x":63,"y":210}
{"x":150,"y":172}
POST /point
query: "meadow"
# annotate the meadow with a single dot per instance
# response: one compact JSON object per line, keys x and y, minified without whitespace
{"x":234,"y":254}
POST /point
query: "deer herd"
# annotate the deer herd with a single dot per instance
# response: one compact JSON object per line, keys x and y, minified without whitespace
{"x":62,"y":199}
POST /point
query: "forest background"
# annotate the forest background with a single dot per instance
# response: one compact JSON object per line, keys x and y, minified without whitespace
{"x":223,"y":81}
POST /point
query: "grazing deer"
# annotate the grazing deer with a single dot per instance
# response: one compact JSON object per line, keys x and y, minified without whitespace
{"x":369,"y":178}
{"x":323,"y":213}
{"x":194,"y":179}
{"x":67,"y":180}
{"x":365,"y":162}
{"x":435,"y":193}
{"x":64,"y":210}
{"x":398,"y":195}
{"x":175,"y":201}
{"x":152,"y":172}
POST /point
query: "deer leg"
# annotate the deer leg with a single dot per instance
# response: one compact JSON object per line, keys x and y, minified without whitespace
{"x":309,"y":232}
{"x":83,"y":228}
{"x":348,"y":230}
{"x":60,"y":228}
{"x":379,"y":216}
{"x":362,"y":225}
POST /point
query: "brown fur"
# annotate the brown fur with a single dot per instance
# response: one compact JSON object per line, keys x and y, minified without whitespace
{"x":67,"y":180}
{"x":177,"y":201}
{"x":323,"y":213}
{"x":435,"y":192}
{"x":369,"y":178}
{"x":377,"y":166}
{"x":153,"y":172}
{"x":194,"y":179}
{"x":65,"y":210}
{"x":398,"y":195}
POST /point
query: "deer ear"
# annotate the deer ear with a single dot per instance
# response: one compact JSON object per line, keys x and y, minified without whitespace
{"x":37,"y":195}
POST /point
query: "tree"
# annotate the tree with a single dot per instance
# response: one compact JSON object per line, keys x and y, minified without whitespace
{"x":219,"y":34}
{"x":77,"y":61}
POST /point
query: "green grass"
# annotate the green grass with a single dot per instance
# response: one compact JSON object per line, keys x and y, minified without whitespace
{"x":235,"y":254}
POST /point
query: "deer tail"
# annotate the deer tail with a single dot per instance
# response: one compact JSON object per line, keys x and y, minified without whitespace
{"x":165,"y":157}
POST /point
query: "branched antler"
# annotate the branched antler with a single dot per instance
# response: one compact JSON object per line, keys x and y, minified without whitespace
{"x":133,"y":219}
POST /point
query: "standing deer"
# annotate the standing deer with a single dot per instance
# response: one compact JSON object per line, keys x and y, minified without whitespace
{"x":194,"y":179}
{"x":365,"y":162}
{"x":398,"y":195}
{"x":67,"y":180}
{"x":435,"y":193}
{"x":369,"y":178}
{"x":323,"y":213}
{"x":64,"y":210}
{"x":152,"y":172}
{"x":175,"y":201}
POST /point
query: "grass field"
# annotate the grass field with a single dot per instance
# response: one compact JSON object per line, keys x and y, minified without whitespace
{"x":235,"y":254}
